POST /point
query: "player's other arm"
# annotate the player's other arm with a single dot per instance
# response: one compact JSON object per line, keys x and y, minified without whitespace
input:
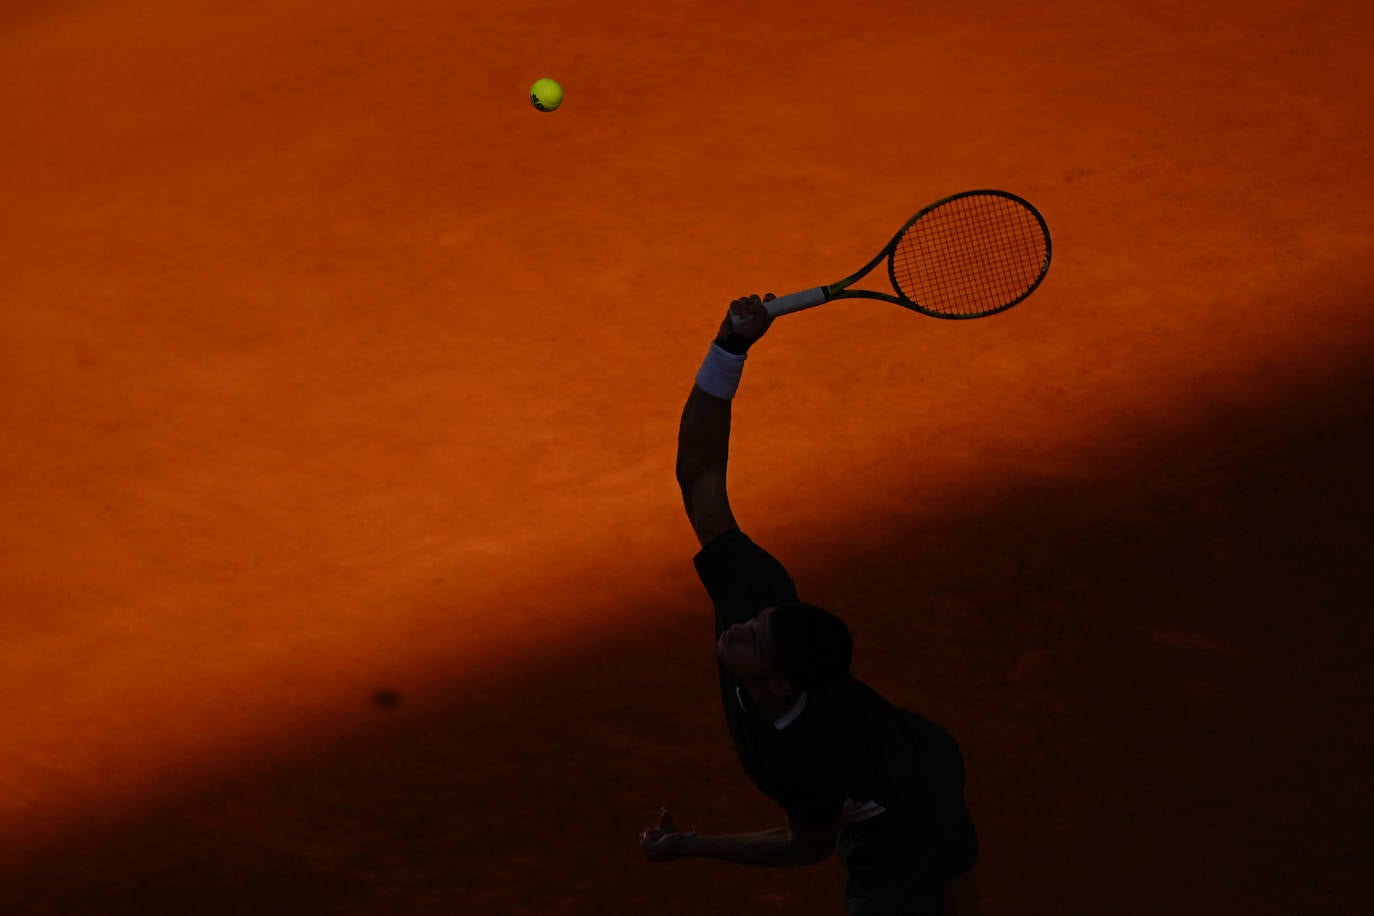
{"x":703,"y":439}
{"x":795,"y":844}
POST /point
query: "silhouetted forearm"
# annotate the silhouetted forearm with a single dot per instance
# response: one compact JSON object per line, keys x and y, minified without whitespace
{"x":769,"y":849}
{"x":703,"y":438}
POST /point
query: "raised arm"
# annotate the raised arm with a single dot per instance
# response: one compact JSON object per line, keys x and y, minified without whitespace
{"x":703,"y":438}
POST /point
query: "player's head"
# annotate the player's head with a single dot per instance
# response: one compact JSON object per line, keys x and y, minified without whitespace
{"x":788,"y":649}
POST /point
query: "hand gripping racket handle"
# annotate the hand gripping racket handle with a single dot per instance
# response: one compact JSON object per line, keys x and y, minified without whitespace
{"x":792,"y":302}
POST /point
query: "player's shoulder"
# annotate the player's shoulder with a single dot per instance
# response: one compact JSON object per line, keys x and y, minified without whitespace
{"x":733,"y":564}
{"x":728,"y":540}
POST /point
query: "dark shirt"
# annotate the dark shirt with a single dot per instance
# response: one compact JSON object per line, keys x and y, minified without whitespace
{"x":842,"y":753}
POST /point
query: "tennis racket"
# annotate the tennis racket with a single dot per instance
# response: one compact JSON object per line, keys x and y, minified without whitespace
{"x":967,"y":256}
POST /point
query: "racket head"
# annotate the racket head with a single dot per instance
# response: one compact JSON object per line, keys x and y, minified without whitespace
{"x":970,"y":255}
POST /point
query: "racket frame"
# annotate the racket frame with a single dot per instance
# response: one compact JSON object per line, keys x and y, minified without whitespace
{"x":795,"y":302}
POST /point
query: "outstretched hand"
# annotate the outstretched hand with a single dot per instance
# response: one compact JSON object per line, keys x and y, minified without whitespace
{"x":661,"y":843}
{"x":755,"y":318}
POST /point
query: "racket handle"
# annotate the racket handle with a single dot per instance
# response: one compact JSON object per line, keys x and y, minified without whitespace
{"x":792,"y":302}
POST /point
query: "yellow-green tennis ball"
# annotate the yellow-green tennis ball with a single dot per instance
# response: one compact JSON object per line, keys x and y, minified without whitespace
{"x":546,"y":94}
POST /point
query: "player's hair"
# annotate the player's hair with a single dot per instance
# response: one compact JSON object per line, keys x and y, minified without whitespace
{"x":812,"y":648}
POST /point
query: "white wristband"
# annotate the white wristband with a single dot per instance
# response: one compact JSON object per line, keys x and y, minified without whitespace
{"x":720,"y":373}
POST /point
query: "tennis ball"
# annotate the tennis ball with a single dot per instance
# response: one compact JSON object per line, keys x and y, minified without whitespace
{"x":546,"y":94}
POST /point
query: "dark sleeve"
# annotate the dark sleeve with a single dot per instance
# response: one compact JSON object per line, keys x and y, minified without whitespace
{"x":742,"y":578}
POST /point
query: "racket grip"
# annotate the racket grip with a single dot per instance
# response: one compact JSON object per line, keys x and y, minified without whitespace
{"x":792,"y":302}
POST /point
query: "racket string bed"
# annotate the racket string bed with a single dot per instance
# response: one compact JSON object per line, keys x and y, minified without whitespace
{"x":994,"y":242}
{"x":969,"y":256}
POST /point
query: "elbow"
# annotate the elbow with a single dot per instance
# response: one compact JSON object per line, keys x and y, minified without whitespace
{"x":689,"y":470}
{"x":811,"y":854}
{"x":808,"y":859}
{"x":814,"y":846}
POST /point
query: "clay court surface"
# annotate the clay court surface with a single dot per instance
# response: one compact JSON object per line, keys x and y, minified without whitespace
{"x":342,"y":565}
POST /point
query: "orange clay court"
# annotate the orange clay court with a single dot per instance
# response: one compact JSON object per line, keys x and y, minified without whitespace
{"x":342,"y":564}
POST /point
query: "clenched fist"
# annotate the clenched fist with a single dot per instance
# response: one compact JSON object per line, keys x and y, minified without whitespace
{"x":754,"y":319}
{"x":661,"y":843}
